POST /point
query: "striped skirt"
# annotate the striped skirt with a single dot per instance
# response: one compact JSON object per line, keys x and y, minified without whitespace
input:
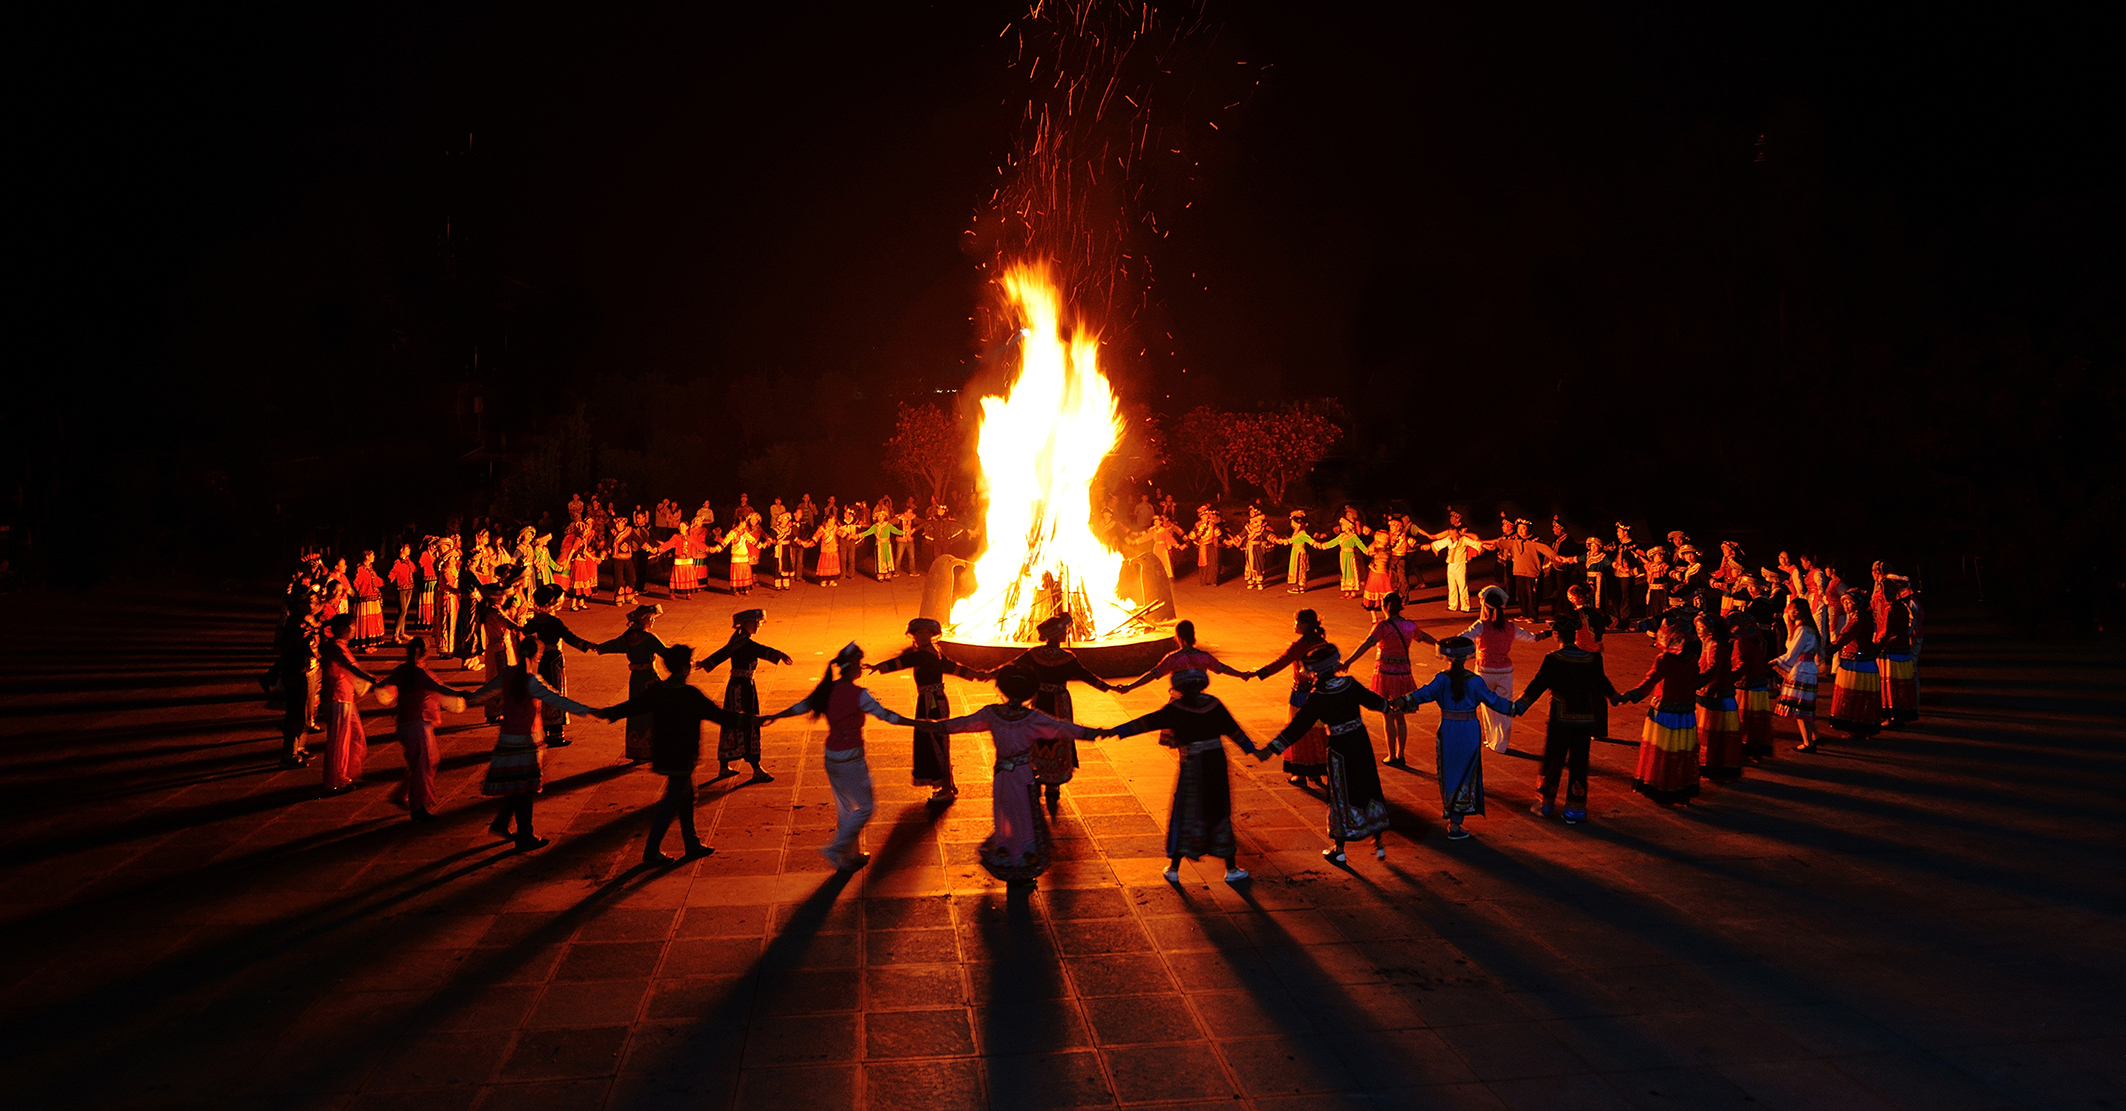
{"x":368,"y":621}
{"x":424,"y":611}
{"x":1900,"y":688}
{"x":1719,"y":737}
{"x":513,"y":768}
{"x":1856,"y":700}
{"x":686,"y":577}
{"x":1797,"y":693}
{"x":1668,"y":756}
{"x":741,"y":575}
{"x":1757,"y":720}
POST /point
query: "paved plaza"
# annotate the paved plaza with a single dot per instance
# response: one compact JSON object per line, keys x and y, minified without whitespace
{"x":1928,"y":921}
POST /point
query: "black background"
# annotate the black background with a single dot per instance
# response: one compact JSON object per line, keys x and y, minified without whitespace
{"x":275,"y":258}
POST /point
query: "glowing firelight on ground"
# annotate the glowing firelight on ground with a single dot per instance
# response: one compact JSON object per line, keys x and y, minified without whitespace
{"x":1039,"y":448}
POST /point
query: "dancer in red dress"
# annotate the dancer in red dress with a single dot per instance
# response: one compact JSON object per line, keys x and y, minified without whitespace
{"x":401,"y":579}
{"x":1391,"y":672}
{"x":687,"y":546}
{"x":420,"y":699}
{"x":424,"y":606}
{"x":368,"y":605}
{"x":1668,"y":748}
{"x":1753,"y":683}
{"x":1306,"y":758}
{"x":1719,"y":720}
{"x":346,"y":746}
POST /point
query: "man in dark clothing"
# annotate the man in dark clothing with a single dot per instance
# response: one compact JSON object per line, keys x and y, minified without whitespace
{"x":676,"y":710}
{"x":1576,"y":684}
{"x":552,"y":632}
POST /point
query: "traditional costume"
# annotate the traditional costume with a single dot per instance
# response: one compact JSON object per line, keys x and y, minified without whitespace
{"x":843,"y":703}
{"x":515,"y":770}
{"x":421,"y":699}
{"x":675,"y":709}
{"x":1357,"y":808}
{"x":1894,"y":653}
{"x":1797,"y":672}
{"x":1578,"y":691}
{"x":553,"y":667}
{"x":782,"y":528}
{"x":1856,"y":700}
{"x":1719,"y":716}
{"x":1055,"y":759}
{"x":1017,"y":848}
{"x":689,"y":546}
{"x":1456,"y":547}
{"x":1255,"y":544}
{"x":742,"y":546}
{"x":740,"y":740}
{"x":1347,"y":544}
{"x":1667,"y":771}
{"x":1459,"y":754}
{"x":1391,"y":662}
{"x":583,"y":562}
{"x":881,"y":534}
{"x":1494,"y":663}
{"x":424,"y":606}
{"x":1753,"y":684}
{"x":933,"y":748}
{"x":827,"y":539}
{"x":1208,"y":535}
{"x":368,"y":590}
{"x":1305,"y":756}
{"x":346,"y":745}
{"x":1297,"y":567}
{"x":1379,"y":582}
{"x":641,"y":647}
{"x":1196,"y":725}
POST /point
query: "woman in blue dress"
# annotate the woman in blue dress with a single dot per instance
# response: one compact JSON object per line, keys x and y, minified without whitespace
{"x":1458,"y":692}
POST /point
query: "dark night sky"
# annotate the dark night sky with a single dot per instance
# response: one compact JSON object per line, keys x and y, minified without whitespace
{"x":709,"y":226}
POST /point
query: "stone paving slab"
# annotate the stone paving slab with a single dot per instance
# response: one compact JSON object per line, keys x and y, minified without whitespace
{"x":1928,"y":920}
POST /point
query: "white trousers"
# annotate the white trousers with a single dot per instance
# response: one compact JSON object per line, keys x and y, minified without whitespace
{"x":850,"y":778}
{"x":1498,"y":727}
{"x":1458,"y":587}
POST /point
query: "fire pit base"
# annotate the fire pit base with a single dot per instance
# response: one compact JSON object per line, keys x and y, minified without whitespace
{"x":1117,"y":658}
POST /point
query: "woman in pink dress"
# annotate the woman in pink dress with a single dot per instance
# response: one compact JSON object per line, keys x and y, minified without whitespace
{"x":1391,"y":670}
{"x":1017,"y":850}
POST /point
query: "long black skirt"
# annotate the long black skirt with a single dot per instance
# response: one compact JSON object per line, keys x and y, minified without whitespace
{"x":1201,"y":822}
{"x":933,"y":750}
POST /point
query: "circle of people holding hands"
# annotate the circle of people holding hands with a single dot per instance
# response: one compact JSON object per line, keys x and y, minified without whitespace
{"x":1735,"y":650}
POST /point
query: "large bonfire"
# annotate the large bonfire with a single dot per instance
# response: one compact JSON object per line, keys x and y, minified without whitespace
{"x":1039,"y":448}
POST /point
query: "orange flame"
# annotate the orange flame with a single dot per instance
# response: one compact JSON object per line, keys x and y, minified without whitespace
{"x":1039,"y":448}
